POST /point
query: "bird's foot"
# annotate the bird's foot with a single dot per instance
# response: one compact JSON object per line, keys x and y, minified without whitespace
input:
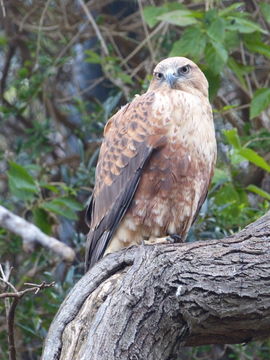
{"x":164,"y":240}
{"x":173,"y":238}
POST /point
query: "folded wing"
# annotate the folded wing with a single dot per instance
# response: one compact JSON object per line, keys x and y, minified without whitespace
{"x":128,"y":145}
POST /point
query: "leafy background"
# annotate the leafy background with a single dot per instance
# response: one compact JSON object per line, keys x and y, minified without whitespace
{"x":66,"y":67}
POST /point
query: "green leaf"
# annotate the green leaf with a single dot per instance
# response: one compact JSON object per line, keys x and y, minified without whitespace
{"x":50,"y":187}
{"x":71,"y":203}
{"x":236,"y":159}
{"x":42,"y":220}
{"x":255,"y":45}
{"x":230,"y":9}
{"x":214,"y":81}
{"x":192,"y":43}
{"x":243,"y":25}
{"x":20,"y":193}
{"x":27,"y":328}
{"x":220,"y":176}
{"x":225,"y":108}
{"x":25,"y":180}
{"x":259,"y":48}
{"x":216,"y":31}
{"x":178,"y":17}
{"x":125,"y":77}
{"x":240,"y":70}
{"x":21,"y":183}
{"x":3,"y":41}
{"x":216,"y":56}
{"x":227,"y":195}
{"x":233,"y":138}
{"x":92,"y":57}
{"x":151,"y":13}
{"x":64,"y":206}
{"x":265,"y":9}
{"x":23,"y":73}
{"x":57,"y":207}
{"x":254,"y":158}
{"x":231,"y":40}
{"x":260,"y":102}
{"x":259,"y":191}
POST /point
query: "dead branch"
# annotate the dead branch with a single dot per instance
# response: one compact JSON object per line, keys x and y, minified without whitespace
{"x":10,"y":308}
{"x":31,"y":234}
{"x":19,"y":294}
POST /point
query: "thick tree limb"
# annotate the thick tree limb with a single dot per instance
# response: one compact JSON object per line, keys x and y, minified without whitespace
{"x":30,"y":234}
{"x":148,"y":302}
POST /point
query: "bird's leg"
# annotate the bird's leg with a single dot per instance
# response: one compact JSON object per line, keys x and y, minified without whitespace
{"x":143,"y":243}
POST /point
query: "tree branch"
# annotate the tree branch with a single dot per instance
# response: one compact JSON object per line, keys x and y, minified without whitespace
{"x":10,"y":308}
{"x":148,"y":302}
{"x":30,"y":234}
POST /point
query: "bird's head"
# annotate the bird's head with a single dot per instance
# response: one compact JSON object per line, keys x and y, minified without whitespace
{"x":179,"y":73}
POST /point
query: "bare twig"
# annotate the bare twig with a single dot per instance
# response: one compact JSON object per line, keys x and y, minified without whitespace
{"x":30,"y":27}
{"x":141,"y":45}
{"x":83,"y":91}
{"x":5,"y":275}
{"x":263,"y":138}
{"x":116,"y":48}
{"x":3,"y":8}
{"x":69,"y":45}
{"x":10,"y":53}
{"x":16,"y":295}
{"x":30,"y":234}
{"x":39,"y":29}
{"x":35,"y":288}
{"x":138,"y":68}
{"x":94,"y":24}
{"x":26,"y":16}
{"x":237,"y":82}
{"x":5,"y":279}
{"x":151,"y":50}
{"x":160,"y":39}
{"x":237,"y":108}
{"x":243,"y":56}
{"x":232,"y":116}
{"x":10,"y":326}
{"x":267,"y":80}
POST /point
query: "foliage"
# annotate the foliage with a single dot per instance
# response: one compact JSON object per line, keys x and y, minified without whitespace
{"x":57,"y":91}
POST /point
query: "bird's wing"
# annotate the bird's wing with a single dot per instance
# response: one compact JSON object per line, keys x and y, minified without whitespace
{"x":128,"y":144}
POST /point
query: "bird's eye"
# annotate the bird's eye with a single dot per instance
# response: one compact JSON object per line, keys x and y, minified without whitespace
{"x":158,"y":75}
{"x":184,"y":70}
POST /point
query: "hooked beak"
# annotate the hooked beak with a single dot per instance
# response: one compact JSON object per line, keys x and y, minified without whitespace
{"x":171,"y":79}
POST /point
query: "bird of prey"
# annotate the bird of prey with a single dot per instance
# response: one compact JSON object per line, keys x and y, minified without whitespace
{"x":155,"y":164}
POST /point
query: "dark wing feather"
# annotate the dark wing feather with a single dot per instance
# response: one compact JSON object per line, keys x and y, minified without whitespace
{"x":201,"y":202}
{"x":204,"y":193}
{"x":126,"y":148}
{"x":99,"y":238}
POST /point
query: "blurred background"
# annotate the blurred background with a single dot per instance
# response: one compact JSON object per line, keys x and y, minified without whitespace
{"x":65,"y":67}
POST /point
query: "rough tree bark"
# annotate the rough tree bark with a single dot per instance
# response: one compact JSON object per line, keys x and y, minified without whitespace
{"x":148,"y":302}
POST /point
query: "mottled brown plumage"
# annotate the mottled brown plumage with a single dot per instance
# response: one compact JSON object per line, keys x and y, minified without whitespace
{"x":155,"y":163}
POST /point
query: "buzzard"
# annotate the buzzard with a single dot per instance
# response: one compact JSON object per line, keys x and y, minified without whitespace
{"x":155,"y":164}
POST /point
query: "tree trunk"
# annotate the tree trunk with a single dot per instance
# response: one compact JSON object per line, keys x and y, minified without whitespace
{"x":148,"y":302}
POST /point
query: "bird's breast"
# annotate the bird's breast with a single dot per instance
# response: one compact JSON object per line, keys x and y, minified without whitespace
{"x":177,"y":176}
{"x":188,"y":122}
